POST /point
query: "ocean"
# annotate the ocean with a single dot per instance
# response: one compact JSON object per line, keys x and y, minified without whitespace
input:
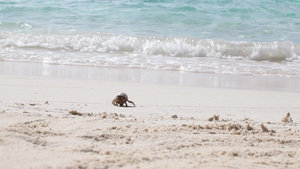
{"x":224,"y":37}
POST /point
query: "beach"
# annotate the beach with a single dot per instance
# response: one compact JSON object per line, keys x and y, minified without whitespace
{"x":55,"y":122}
{"x":216,"y":84}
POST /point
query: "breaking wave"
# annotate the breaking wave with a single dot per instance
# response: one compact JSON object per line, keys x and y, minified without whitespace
{"x":182,"y":53}
{"x":174,"y":47}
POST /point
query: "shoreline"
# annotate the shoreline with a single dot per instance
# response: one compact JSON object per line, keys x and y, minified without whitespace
{"x":151,"y":76}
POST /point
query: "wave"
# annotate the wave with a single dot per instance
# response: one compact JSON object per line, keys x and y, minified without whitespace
{"x":151,"y":46}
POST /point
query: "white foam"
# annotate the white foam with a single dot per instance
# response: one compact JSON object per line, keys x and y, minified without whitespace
{"x":181,"y":54}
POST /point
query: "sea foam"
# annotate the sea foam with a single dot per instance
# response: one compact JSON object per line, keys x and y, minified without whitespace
{"x":148,"y":52}
{"x":175,"y":47}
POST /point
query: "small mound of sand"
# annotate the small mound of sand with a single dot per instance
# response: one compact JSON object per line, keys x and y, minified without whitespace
{"x":248,"y":127}
{"x":74,"y":112}
{"x":215,"y":117}
{"x":263,"y":128}
{"x":174,"y":116}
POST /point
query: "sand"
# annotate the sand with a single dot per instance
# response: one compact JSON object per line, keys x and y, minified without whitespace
{"x":172,"y":126}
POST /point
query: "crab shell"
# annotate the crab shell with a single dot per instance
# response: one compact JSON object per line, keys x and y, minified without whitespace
{"x":123,"y":95}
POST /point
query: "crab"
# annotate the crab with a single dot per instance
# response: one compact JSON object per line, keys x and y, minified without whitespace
{"x":287,"y":118}
{"x":122,"y":99}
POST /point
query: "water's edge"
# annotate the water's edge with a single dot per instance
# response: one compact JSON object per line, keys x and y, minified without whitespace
{"x":151,"y":76}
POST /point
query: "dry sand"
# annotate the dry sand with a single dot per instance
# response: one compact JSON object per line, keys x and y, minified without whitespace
{"x":171,"y":127}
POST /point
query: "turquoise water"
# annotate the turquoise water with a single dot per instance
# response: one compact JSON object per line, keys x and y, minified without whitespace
{"x":258,"y":37}
{"x":234,"y":20}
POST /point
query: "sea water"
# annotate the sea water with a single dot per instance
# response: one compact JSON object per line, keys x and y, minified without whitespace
{"x":232,"y":37}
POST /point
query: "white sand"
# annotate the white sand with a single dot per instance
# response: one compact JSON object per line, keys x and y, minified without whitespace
{"x":169,"y":128}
